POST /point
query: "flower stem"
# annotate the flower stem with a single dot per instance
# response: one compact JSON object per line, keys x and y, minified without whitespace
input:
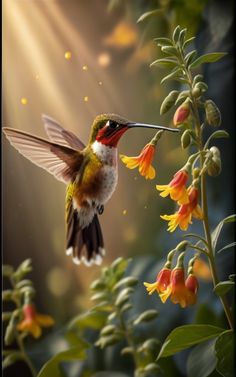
{"x":25,"y":356}
{"x":206,"y":218}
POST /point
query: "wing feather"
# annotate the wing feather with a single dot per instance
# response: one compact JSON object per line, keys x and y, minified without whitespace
{"x":61,"y":161}
{"x":60,"y":135}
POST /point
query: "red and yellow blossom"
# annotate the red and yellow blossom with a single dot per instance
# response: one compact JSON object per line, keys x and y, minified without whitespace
{"x":176,"y":188}
{"x":178,"y":292}
{"x":183,"y":217}
{"x":191,"y":283}
{"x":33,"y":321}
{"x":162,"y":282}
{"x":143,"y":161}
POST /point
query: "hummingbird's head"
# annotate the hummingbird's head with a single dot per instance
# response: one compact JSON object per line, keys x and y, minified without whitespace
{"x":108,"y":128}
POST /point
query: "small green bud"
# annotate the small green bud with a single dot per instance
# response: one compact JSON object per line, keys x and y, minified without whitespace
{"x":214,"y":167}
{"x":197,"y":78}
{"x":146,"y":316}
{"x":196,"y":92}
{"x":151,"y":368}
{"x":185,"y":139}
{"x":182,"y":246}
{"x":127,"y":351}
{"x":195,"y":173}
{"x":109,"y":329}
{"x":213,"y":115}
{"x":12,"y":358}
{"x":129,"y":281}
{"x":123,"y":296}
{"x":202,"y":86}
{"x":97,"y":285}
{"x":7,"y":270}
{"x":176,"y":33}
{"x":169,"y":50}
{"x":168,"y":102}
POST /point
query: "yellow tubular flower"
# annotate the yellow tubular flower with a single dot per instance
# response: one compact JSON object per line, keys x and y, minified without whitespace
{"x":33,"y":321}
{"x":183,"y":217}
{"x":143,"y":161}
{"x":176,"y":188}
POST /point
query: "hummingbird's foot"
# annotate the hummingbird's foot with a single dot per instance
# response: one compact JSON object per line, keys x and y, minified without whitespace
{"x":100,"y":209}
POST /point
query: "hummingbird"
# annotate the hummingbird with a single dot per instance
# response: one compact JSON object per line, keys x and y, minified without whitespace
{"x":90,"y":173}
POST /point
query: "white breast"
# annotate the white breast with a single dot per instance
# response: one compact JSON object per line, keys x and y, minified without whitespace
{"x":108,"y":156}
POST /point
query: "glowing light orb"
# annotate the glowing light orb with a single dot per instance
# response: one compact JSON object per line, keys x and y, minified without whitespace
{"x":85,"y":68}
{"x":100,"y":83}
{"x":124,"y":212}
{"x":104,"y":59}
{"x":86,"y":98}
{"x":68,"y":55}
{"x":24,"y":101}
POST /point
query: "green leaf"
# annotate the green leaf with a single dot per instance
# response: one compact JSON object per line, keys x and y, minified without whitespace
{"x":108,"y":330}
{"x":196,"y":236}
{"x":186,"y":336}
{"x":144,"y":16}
{"x":165,"y":63}
{"x":190,"y":57}
{"x":97,"y":285}
{"x":109,"y":340}
{"x":216,"y":232}
{"x":232,"y":277}
{"x":188,"y":41}
{"x":146,"y":316}
{"x":12,"y":358}
{"x":127,"y":351}
{"x":130,"y":281}
{"x":119,"y":266}
{"x":163,"y":41}
{"x":224,"y":348}
{"x":173,"y":75}
{"x":151,"y":368}
{"x":219,"y":134}
{"x":52,"y":367}
{"x":227,"y":247}
{"x":176,"y":32}
{"x":170,"y":50}
{"x":92,"y":319}
{"x":223,"y":287}
{"x":208,"y":58}
{"x":123,"y":296}
{"x":202,"y":360}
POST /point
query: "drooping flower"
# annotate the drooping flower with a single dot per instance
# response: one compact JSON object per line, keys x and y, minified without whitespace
{"x":181,"y":114}
{"x":191,"y":284}
{"x":162,"y":282}
{"x":201,"y":269}
{"x":183,"y":217}
{"x":176,"y":188}
{"x":33,"y":321}
{"x":143,"y":161}
{"x":177,"y":290}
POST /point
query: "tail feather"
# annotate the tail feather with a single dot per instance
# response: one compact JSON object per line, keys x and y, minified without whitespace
{"x":85,"y":244}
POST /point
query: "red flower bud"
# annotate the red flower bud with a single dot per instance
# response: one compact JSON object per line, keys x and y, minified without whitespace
{"x":181,"y":114}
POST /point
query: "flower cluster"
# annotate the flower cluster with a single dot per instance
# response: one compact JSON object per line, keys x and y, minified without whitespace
{"x":32,"y":321}
{"x":172,"y":283}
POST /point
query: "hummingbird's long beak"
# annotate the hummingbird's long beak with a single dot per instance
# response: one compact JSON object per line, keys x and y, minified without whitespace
{"x":144,"y":125}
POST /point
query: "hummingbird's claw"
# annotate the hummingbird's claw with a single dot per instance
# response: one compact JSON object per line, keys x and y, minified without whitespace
{"x":100,"y":209}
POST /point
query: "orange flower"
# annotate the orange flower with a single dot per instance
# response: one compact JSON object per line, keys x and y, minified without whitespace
{"x":191,"y":284}
{"x":143,"y":161}
{"x":162,"y":282}
{"x":181,"y":114}
{"x":176,"y":188}
{"x":185,"y":213}
{"x":201,"y":269}
{"x":33,"y":321}
{"x":177,"y":290}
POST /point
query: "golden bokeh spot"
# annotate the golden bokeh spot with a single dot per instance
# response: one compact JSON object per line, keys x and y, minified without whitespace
{"x":85,"y":68}
{"x":104,"y":59}
{"x":124,"y":35}
{"x":68,"y":55}
{"x":129,"y":234}
{"x":124,"y":211}
{"x":100,"y":83}
{"x":36,"y":77}
{"x":86,"y":98}
{"x":58,"y":281}
{"x":24,"y":101}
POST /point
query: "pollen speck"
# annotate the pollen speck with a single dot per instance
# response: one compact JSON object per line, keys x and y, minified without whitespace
{"x":85,"y":68}
{"x":124,"y":212}
{"x":145,"y":207}
{"x":36,"y":77}
{"x":86,"y":99}
{"x":24,"y":101}
{"x":100,"y":83}
{"x":68,"y":55}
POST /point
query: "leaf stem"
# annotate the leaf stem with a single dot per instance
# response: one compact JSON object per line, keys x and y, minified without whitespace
{"x":27,"y":360}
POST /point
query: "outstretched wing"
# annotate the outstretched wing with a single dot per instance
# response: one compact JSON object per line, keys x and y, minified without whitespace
{"x":58,"y":134}
{"x":61,"y":161}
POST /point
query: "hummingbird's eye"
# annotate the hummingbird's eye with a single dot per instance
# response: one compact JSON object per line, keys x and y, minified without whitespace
{"x":112,"y":124}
